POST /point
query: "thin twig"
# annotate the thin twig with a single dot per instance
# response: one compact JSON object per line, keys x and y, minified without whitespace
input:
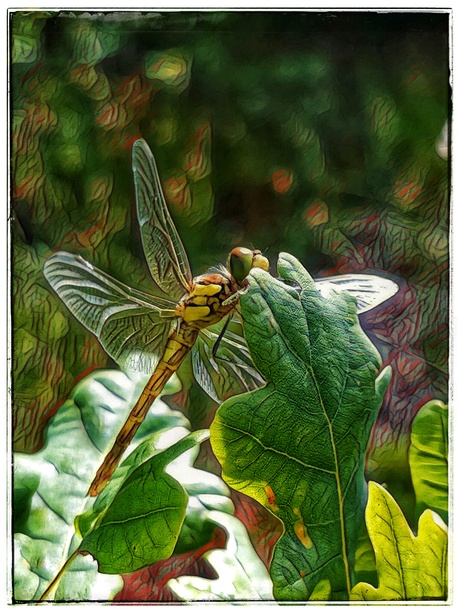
{"x":56,"y":579}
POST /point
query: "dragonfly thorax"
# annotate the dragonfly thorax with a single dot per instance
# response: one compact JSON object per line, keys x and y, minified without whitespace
{"x":215,"y":294}
{"x":209,"y":299}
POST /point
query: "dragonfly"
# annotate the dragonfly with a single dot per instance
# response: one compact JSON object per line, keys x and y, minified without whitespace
{"x":147,"y":333}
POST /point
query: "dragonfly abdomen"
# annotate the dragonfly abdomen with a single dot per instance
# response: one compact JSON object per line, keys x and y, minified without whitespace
{"x":179,"y":344}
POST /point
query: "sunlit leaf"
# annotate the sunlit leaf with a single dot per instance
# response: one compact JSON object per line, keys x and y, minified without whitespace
{"x":409,"y":567}
{"x":170,"y":69}
{"x":50,"y":486}
{"x":142,"y":523}
{"x":297,"y":445}
{"x":322,"y":591}
{"x":428,"y":458}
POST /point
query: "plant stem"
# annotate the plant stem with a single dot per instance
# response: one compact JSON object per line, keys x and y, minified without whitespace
{"x":56,"y":579}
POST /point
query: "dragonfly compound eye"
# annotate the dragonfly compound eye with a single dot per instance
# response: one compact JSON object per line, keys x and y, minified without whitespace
{"x":241,"y":260}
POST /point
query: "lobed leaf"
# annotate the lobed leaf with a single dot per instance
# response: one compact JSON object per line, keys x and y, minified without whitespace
{"x":297,"y":445}
{"x":409,"y":567}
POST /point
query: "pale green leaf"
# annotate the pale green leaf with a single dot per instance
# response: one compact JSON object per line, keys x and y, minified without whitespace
{"x":50,"y":486}
{"x":428,"y":458}
{"x":322,"y":591}
{"x":409,"y":567}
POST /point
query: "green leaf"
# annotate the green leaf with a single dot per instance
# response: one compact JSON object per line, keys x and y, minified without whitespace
{"x":409,"y":567}
{"x":50,"y":486}
{"x":322,"y":591}
{"x":364,"y":569}
{"x":25,"y":49}
{"x":206,"y":492}
{"x":297,"y":445}
{"x":142,"y":523}
{"x":241,"y":574}
{"x":170,"y":69}
{"x":428,"y":458}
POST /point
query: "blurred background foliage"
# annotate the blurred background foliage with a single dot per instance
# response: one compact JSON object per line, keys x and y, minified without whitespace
{"x":315,"y":133}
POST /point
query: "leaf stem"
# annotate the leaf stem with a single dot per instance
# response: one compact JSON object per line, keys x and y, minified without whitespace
{"x":57,"y":578}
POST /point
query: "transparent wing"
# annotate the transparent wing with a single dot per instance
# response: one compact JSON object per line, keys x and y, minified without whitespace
{"x":133,"y":327}
{"x":368,"y":290}
{"x":163,"y":247}
{"x":231,"y":371}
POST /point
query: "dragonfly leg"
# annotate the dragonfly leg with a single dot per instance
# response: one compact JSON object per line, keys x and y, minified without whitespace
{"x":232,"y":300}
{"x":219,"y":338}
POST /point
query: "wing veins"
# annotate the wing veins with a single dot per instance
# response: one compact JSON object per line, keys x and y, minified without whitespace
{"x":153,"y":214}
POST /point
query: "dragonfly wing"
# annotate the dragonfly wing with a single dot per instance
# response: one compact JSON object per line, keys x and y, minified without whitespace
{"x":231,"y":371}
{"x":368,"y":290}
{"x":133,"y":327}
{"x":162,"y":245}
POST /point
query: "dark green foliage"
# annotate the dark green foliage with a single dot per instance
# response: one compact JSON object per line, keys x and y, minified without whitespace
{"x":312,"y":133}
{"x":295,"y":131}
{"x":297,"y":445}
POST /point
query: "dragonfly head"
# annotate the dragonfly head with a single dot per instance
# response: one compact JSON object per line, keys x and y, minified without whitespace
{"x":241,"y":260}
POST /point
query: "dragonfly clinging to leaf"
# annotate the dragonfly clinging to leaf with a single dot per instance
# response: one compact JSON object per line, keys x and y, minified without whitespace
{"x":154,"y":335}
